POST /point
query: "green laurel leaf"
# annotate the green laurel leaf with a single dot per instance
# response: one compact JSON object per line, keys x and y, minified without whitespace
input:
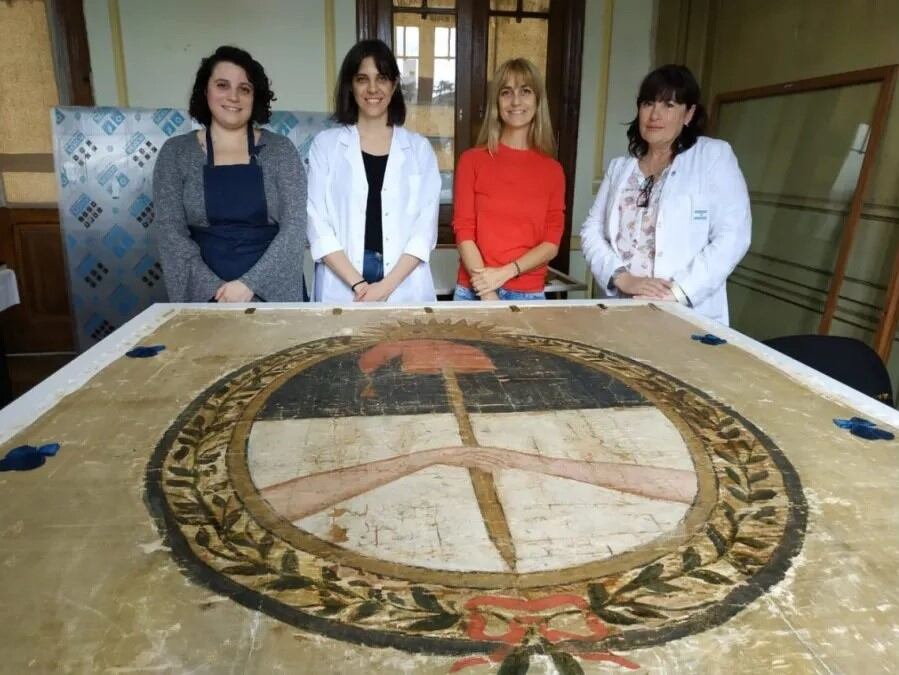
{"x":566,"y":664}
{"x":436,"y":622}
{"x":516,"y":663}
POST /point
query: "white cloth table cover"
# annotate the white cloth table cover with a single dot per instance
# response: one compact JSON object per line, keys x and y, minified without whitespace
{"x":9,"y":290}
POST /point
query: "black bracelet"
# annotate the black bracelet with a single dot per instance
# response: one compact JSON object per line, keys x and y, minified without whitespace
{"x":517,"y":269}
{"x":353,"y":287}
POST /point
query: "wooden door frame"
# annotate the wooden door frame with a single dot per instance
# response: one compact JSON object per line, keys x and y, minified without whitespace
{"x":566,"y":23}
{"x":564,"y":60}
{"x":71,"y":54}
{"x":374,"y":18}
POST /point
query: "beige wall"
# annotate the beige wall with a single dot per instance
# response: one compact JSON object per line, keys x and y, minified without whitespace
{"x":163,"y":41}
{"x":630,"y":61}
{"x":736,"y":44}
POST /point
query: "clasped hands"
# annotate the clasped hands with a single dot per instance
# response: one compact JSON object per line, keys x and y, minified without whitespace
{"x":644,"y":288}
{"x":487,"y":280}
{"x":379,"y":291}
{"x":234,"y":291}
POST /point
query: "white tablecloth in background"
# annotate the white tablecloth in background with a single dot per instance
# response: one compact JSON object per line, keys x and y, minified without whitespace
{"x":9,"y":291}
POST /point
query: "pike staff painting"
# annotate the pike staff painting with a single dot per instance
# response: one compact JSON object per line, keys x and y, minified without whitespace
{"x":461,"y":488}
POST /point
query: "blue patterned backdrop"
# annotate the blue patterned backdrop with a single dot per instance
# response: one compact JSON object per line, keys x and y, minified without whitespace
{"x":104,"y":164}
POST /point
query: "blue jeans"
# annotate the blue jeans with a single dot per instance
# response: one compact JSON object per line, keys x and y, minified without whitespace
{"x":372,"y":266}
{"x":463,"y":293}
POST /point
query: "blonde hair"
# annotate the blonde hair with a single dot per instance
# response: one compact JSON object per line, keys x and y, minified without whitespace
{"x":540,"y":134}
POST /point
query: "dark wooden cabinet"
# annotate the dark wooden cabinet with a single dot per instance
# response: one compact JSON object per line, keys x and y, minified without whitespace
{"x":38,"y":333}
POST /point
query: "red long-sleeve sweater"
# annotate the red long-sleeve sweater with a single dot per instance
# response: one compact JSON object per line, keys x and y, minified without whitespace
{"x":508,"y":203}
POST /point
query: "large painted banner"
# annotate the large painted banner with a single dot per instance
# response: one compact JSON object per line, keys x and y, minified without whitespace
{"x":104,"y":164}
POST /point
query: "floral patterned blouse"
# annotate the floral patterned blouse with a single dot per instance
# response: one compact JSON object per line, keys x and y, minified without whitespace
{"x":637,"y":233}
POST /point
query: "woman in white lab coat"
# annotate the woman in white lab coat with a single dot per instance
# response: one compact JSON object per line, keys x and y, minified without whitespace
{"x":671,"y":219}
{"x":374,"y":190}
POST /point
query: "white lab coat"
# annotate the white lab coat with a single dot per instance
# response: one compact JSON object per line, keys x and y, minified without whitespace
{"x":703,"y":229}
{"x":338,"y":192}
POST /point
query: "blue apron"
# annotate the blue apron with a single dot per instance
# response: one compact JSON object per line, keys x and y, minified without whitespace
{"x":239,"y":232}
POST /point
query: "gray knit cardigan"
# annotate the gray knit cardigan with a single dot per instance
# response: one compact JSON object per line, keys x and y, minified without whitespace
{"x":179,"y":200}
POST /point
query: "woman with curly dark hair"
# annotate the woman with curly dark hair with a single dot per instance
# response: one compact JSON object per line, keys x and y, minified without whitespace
{"x":230,"y":223}
{"x":671,"y":219}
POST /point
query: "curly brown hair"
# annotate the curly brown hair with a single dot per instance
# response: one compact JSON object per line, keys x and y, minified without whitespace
{"x":262,"y":91}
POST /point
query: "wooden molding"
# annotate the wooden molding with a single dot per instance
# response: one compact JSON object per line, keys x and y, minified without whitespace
{"x":118,"y":52}
{"x":852,"y":77}
{"x":34,"y":162}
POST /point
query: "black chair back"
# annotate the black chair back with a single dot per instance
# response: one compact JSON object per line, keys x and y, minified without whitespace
{"x":845,"y":359}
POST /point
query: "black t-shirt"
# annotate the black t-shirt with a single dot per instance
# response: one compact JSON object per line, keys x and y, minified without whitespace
{"x":375,"y":165}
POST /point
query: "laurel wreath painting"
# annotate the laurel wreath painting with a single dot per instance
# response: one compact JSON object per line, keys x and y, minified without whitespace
{"x":750,"y":524}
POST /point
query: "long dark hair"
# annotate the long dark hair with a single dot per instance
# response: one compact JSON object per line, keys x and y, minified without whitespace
{"x":669,"y":83}
{"x":262,"y":92}
{"x":345,"y":109}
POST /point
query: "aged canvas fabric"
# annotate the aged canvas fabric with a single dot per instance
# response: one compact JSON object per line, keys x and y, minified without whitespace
{"x":565,"y":487}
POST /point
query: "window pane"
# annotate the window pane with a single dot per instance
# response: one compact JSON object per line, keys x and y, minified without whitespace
{"x":407,"y":3}
{"x":406,"y":43}
{"x":504,"y":5}
{"x":444,"y":76}
{"x":441,"y":39}
{"x":411,"y":41}
{"x":508,"y":39}
{"x":408,"y":78}
{"x":536,"y":5}
{"x":783,"y":157}
{"x":429,"y":85}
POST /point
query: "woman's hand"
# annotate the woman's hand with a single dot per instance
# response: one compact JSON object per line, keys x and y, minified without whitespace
{"x":487,"y":279}
{"x":359,"y":290}
{"x":376,"y":292}
{"x":644,"y":287}
{"x":234,"y":291}
{"x":662,"y":296}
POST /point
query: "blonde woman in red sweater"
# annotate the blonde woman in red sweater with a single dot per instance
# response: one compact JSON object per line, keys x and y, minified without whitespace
{"x":509,"y":193}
